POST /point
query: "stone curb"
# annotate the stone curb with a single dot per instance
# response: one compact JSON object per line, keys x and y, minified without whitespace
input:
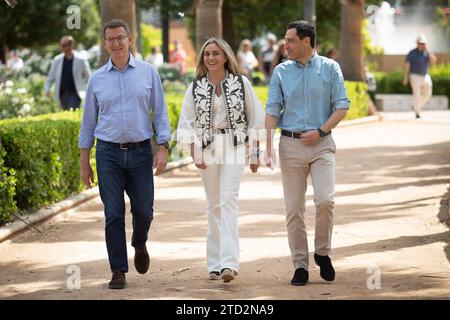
{"x":7,"y":231}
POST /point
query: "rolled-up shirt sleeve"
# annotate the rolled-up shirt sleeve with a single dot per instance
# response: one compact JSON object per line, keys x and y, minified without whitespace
{"x":339,"y":98}
{"x":159,"y":109}
{"x":89,"y":119}
{"x":275,"y":103}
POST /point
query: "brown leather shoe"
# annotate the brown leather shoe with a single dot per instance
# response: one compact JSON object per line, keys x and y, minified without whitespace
{"x":141,"y":260}
{"x":118,"y":280}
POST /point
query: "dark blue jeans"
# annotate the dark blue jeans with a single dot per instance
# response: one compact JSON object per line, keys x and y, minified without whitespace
{"x":69,"y":101}
{"x":130,"y":171}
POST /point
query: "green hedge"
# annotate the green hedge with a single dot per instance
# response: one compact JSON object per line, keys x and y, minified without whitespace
{"x":359,"y":99}
{"x":43,"y":152}
{"x":7,"y":190}
{"x":392,"y":82}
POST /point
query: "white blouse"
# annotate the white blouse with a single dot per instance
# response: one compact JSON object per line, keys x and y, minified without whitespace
{"x":253,"y":109}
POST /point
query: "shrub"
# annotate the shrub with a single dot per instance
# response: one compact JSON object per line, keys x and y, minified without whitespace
{"x":7,"y":191}
{"x":25,"y":97}
{"x":43,"y":151}
{"x":359,"y":99}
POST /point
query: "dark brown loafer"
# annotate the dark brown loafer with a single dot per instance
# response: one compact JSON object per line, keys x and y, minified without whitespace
{"x":141,"y":260}
{"x":118,"y":280}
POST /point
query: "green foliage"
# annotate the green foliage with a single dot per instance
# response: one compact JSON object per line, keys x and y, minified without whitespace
{"x":168,"y":72}
{"x":359,"y":99}
{"x":43,"y":151}
{"x":7,"y":190}
{"x":368,"y":48}
{"x":442,"y":19}
{"x":391,"y":82}
{"x":37,"y":23}
{"x":151,"y":37}
{"x":89,"y":34}
{"x":25,"y":97}
{"x":262,"y":92}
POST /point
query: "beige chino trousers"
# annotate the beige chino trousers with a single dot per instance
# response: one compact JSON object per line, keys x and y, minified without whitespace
{"x":297,"y":162}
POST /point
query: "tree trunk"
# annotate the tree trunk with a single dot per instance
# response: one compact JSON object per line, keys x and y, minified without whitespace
{"x":208,"y":20}
{"x":165,"y":25}
{"x":138,"y":29}
{"x":229,"y":35}
{"x":351,"y":53}
{"x":118,"y":9}
{"x":2,"y":52}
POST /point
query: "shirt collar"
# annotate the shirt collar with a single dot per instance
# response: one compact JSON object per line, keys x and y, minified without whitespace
{"x":312,"y":61}
{"x":131,"y":63}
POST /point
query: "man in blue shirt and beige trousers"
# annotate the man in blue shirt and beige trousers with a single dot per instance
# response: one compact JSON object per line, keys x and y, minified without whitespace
{"x":306,"y":100}
{"x":416,"y":71}
{"x":119,"y":99}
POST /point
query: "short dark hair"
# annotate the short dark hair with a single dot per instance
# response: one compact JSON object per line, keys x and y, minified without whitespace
{"x":304,"y":29}
{"x":116,"y":23}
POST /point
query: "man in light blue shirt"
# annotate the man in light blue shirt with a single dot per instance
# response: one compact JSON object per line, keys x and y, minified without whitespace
{"x":306,"y":100}
{"x":120,"y":99}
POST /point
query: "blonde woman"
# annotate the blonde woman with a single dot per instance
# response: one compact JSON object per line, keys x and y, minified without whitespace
{"x":220,"y":111}
{"x":246,"y":58}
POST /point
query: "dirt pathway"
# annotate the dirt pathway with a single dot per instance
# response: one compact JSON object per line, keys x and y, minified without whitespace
{"x":391,"y":177}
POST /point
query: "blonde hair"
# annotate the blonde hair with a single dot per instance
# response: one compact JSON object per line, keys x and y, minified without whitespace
{"x":243,"y":43}
{"x":231,"y":64}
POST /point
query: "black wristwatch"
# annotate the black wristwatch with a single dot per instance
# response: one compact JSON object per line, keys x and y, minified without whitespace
{"x":165,"y":145}
{"x":322,"y":133}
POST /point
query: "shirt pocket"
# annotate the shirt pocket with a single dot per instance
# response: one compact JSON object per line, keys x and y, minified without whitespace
{"x":320,"y":87}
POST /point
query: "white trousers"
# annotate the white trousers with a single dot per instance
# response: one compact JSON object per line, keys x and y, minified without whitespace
{"x":221,"y":182}
{"x":422,"y":89}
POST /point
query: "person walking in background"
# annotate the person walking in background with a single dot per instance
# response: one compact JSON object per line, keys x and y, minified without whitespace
{"x":178,"y":56}
{"x":332,"y":54}
{"x":246,"y":59}
{"x":15,"y":63}
{"x":267,"y":55}
{"x":219,"y":112}
{"x":156,"y":58}
{"x":70,"y":73}
{"x":306,"y":100}
{"x":279,"y":57}
{"x":416,"y":72}
{"x":122,"y":98}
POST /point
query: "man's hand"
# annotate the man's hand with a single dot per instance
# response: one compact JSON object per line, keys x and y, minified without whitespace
{"x":47,"y":93}
{"x":160,"y":161}
{"x":405,"y":81}
{"x":310,"y":137}
{"x":268,"y":158}
{"x":87,"y":175}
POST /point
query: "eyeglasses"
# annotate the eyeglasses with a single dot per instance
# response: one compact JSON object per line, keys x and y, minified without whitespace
{"x":120,"y":39}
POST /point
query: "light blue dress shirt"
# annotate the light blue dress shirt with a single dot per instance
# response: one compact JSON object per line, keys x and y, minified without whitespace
{"x":119,"y":105}
{"x":303,"y":97}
